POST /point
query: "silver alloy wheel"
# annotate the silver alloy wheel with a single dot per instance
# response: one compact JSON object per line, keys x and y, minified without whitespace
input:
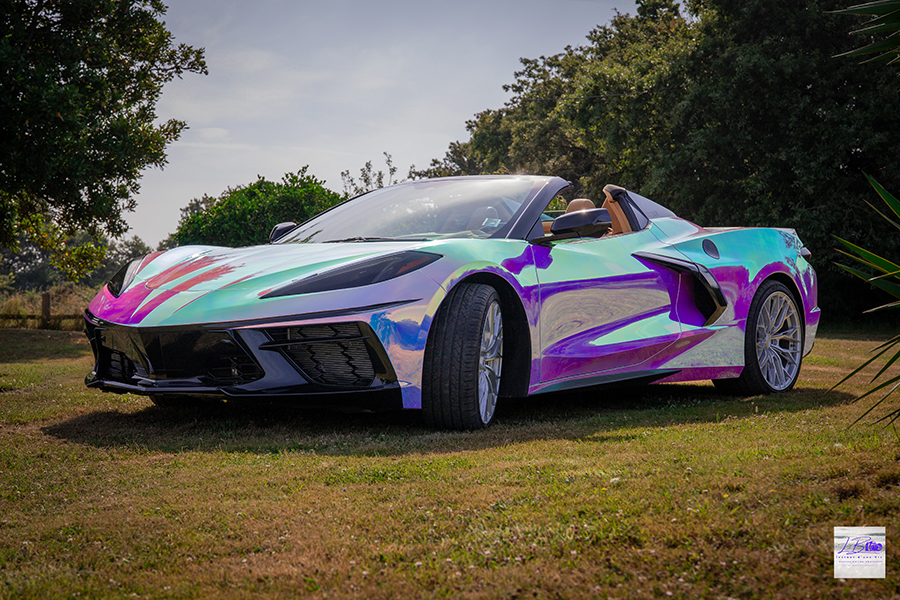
{"x":779,"y":341}
{"x":490,"y":361}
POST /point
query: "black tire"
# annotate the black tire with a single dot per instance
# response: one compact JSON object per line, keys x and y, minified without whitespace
{"x":460,"y":377}
{"x":773,"y":350}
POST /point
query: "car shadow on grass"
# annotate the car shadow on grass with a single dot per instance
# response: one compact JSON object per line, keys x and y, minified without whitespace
{"x":597,"y":414}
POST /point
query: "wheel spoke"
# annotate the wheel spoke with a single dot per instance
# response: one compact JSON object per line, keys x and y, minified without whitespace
{"x":786,"y":354}
{"x":490,"y":362}
{"x":792,"y":334}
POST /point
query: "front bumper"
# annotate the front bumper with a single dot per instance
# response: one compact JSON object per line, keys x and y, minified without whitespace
{"x":253,"y":360}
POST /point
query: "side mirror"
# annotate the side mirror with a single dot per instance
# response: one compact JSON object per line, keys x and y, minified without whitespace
{"x":582,"y":222}
{"x":279,"y":230}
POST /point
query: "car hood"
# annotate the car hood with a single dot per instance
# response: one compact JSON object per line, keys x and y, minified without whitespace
{"x":196,"y":284}
{"x":205,"y":268}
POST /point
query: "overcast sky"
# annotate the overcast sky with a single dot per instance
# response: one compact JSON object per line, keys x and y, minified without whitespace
{"x":334,"y":83}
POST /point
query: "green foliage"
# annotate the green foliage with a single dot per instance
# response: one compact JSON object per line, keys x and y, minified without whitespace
{"x":74,"y":257}
{"x":7,"y":283}
{"x":244,"y":216}
{"x":32,"y":267}
{"x":369,"y":179}
{"x":885,"y":18}
{"x":117,"y":254}
{"x":885,"y":275}
{"x":725,"y":121}
{"x":80,"y":80}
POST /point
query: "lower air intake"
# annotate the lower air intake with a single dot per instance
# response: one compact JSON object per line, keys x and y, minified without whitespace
{"x":336,"y":354}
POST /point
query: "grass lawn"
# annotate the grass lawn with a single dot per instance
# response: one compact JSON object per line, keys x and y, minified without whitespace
{"x":661,"y":491}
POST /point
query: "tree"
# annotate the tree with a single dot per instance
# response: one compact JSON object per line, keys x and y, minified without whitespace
{"x":195,"y":206}
{"x":29,"y":267}
{"x":723,"y":120}
{"x":80,"y":80}
{"x":118,"y":253}
{"x":765,"y":128}
{"x":244,"y":216}
{"x":369,"y":179}
{"x":570,"y":113}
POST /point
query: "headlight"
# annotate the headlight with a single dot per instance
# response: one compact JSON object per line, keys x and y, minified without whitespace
{"x":358,"y":274}
{"x":123,"y":277}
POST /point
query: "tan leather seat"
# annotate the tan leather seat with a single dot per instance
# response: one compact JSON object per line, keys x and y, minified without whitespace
{"x":617,"y":215}
{"x":576,"y":204}
{"x":579,"y":204}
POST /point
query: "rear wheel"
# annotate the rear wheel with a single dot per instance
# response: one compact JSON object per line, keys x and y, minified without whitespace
{"x":773,"y":344}
{"x":464,"y":359}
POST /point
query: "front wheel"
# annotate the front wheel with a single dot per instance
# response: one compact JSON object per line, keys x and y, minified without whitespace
{"x":773,"y":344}
{"x":463,"y":360}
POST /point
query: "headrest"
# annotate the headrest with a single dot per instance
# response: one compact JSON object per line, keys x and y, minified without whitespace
{"x":579,"y":204}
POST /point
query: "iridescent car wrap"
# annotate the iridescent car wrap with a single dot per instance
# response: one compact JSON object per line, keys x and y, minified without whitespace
{"x":667,"y":302}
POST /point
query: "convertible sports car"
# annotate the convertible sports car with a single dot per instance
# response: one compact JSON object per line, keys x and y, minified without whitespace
{"x":447,"y":294}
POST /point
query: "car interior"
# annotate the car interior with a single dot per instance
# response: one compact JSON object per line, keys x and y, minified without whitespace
{"x":624,"y":217}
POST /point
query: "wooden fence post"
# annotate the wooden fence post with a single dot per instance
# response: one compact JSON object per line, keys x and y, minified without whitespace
{"x":45,"y":310}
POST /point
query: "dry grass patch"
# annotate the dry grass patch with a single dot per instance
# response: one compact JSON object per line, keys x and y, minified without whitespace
{"x":650,"y":492}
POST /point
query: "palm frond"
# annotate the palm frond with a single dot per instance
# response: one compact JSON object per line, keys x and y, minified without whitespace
{"x":891,"y":288}
{"x":884,"y":348}
{"x":878,"y":262}
{"x":888,"y":198}
{"x":889,"y":278}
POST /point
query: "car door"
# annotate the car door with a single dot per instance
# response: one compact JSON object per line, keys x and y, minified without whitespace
{"x":602,"y":309}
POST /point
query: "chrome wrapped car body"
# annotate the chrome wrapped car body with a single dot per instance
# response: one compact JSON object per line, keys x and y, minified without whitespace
{"x":449,"y":293}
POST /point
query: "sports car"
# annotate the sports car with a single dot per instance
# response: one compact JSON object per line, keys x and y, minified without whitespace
{"x":445,"y":295}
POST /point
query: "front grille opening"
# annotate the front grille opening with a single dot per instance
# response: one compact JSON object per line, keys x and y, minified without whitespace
{"x":332,"y":331}
{"x":184,"y":358}
{"x":121,"y":368}
{"x":232,"y":370}
{"x":335,"y":354}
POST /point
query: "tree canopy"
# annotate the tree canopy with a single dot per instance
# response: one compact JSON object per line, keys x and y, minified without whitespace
{"x":724,"y":120}
{"x":29,"y":267}
{"x":243,"y":216}
{"x":80,"y":80}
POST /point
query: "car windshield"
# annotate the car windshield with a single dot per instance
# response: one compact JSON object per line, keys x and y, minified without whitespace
{"x":422,"y":210}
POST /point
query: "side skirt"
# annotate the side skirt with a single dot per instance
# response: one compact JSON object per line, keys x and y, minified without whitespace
{"x":632,"y":377}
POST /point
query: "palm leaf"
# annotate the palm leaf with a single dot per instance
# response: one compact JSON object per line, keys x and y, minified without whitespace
{"x":891,"y":288}
{"x":888,"y":198}
{"x":864,"y":262}
{"x":895,"y":380}
{"x":890,"y":272}
{"x":883,"y":216}
{"x":871,"y":28}
{"x":884,"y":368}
{"x":884,"y":348}
{"x":887,"y":45}
{"x":882,"y":276}
{"x":879,"y":7}
{"x":883,"y":307}
{"x":880,"y":263}
{"x":886,"y":18}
